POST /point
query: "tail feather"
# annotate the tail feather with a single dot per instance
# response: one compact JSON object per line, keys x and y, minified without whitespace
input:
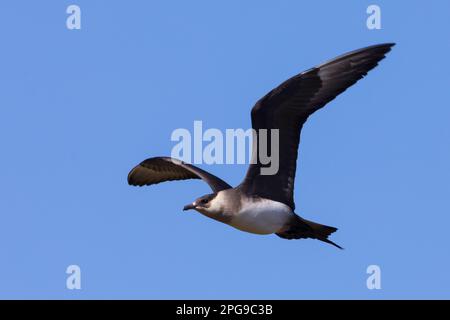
{"x":300,"y":228}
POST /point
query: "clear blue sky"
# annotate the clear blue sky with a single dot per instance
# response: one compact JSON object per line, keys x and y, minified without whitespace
{"x":79,"y":108}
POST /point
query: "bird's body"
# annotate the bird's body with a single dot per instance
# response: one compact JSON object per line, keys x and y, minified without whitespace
{"x":251,"y":214}
{"x":264,"y":203}
{"x":262,"y":216}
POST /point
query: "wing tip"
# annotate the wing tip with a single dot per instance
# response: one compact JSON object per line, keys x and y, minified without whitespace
{"x":130,"y":178}
{"x":384,"y":45}
{"x":136,"y":179}
{"x":381,"y":49}
{"x":387,"y":47}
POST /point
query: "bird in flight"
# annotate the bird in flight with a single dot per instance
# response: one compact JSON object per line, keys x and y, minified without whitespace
{"x":264,"y":204}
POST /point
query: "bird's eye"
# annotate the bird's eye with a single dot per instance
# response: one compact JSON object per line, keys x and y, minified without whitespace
{"x":204,"y":201}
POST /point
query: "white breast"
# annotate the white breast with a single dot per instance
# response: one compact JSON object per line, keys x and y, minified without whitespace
{"x":262,"y":217}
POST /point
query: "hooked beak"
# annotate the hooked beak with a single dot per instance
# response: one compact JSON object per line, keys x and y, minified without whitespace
{"x":189,"y":207}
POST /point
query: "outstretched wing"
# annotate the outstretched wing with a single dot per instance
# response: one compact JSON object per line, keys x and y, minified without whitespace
{"x":287,"y":108}
{"x":160,"y":169}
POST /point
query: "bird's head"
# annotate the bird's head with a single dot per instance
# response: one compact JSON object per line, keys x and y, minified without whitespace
{"x":204,"y":204}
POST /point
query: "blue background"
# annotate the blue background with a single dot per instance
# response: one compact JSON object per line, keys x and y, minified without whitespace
{"x":79,"y":108}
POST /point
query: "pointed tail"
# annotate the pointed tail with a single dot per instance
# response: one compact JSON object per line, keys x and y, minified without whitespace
{"x":300,"y":228}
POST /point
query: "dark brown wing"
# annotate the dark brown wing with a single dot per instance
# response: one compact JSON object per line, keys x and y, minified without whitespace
{"x":287,"y":108}
{"x":160,"y":169}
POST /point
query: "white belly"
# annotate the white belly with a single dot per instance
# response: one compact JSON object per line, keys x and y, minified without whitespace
{"x":262,"y":217}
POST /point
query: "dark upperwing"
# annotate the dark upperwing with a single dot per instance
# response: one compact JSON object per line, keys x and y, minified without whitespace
{"x":160,"y":169}
{"x":287,"y":108}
